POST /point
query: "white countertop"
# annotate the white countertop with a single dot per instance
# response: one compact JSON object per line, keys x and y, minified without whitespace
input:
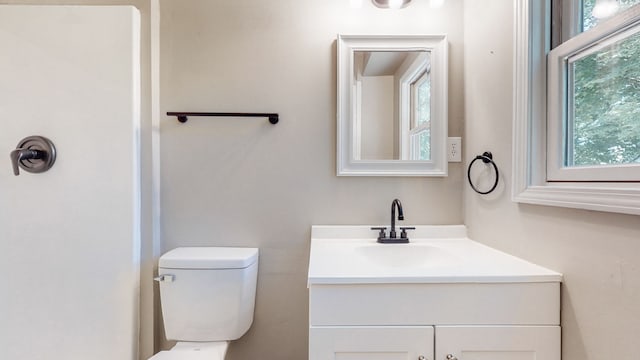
{"x":435,"y":254}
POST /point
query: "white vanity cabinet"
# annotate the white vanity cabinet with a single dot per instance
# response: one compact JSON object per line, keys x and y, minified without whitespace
{"x":468,"y":321}
{"x":464,"y":301}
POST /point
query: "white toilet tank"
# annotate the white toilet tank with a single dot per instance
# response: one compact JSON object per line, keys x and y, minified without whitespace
{"x":208,"y":293}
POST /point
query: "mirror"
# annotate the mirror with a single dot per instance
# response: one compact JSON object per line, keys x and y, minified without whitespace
{"x":378,"y":134}
{"x":392,"y":105}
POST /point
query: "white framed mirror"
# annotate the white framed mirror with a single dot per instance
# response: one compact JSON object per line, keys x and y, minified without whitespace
{"x":392,"y":105}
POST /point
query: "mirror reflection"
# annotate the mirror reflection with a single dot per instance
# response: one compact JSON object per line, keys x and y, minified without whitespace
{"x":392,"y":91}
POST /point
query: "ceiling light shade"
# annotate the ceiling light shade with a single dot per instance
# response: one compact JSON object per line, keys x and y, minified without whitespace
{"x":391,"y":4}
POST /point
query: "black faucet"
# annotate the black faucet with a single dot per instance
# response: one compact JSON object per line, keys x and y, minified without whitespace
{"x":393,"y":239}
{"x":395,"y":204}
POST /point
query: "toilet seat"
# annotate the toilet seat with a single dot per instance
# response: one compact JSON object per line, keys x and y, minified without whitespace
{"x":185,"y":355}
{"x":194,"y":351}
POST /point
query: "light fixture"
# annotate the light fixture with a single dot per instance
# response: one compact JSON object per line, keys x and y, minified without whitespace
{"x":391,"y":4}
{"x":605,"y":8}
{"x":356,"y":4}
{"x":436,"y":3}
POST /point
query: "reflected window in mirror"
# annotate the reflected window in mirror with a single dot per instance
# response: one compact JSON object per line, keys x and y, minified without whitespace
{"x":420,"y":134}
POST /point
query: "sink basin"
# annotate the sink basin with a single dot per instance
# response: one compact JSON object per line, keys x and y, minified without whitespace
{"x":404,"y":255}
{"x":435,"y":254}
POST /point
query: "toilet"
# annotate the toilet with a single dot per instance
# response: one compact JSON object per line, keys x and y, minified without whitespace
{"x":207,"y":295}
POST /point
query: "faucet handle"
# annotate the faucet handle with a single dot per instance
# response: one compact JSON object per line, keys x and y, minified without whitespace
{"x":19,"y":155}
{"x":34,"y":154}
{"x":403,"y":233}
{"x":382,"y":234}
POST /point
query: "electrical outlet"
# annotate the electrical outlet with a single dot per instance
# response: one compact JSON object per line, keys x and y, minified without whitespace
{"x":454,"y":149}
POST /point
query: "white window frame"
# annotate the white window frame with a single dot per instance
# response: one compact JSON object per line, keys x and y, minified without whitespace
{"x":530,"y":185}
{"x":406,"y":98}
{"x":559,"y":92}
{"x":416,"y":130}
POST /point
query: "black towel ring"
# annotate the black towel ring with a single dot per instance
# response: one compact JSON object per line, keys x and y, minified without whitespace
{"x":486,"y":158}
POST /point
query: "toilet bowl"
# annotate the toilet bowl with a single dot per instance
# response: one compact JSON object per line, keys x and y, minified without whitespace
{"x":207,"y":296}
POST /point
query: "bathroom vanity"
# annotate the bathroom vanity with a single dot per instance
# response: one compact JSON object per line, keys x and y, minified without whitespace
{"x":442,"y":296}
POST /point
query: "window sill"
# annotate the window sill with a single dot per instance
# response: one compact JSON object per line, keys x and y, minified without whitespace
{"x":619,"y":199}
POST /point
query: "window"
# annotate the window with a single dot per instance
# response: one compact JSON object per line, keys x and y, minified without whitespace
{"x":420,"y":129}
{"x":577,"y":106}
{"x":594,"y":100}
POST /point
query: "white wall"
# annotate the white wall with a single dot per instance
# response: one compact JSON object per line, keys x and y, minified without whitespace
{"x":70,"y":250}
{"x":245,"y":182}
{"x":598,"y":253}
{"x":377,"y":118}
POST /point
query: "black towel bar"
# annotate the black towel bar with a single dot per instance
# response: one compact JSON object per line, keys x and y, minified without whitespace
{"x":182,"y":116}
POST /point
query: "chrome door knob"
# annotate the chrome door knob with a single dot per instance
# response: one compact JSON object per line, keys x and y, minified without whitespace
{"x":451,"y":357}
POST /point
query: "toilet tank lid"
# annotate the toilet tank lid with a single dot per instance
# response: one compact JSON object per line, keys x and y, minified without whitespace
{"x":209,"y":258}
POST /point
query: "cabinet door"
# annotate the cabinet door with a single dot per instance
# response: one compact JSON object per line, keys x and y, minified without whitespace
{"x":370,"y":343}
{"x":498,"y":342}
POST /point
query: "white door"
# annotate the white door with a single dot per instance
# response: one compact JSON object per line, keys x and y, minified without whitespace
{"x":371,"y":343}
{"x":69,"y":237}
{"x":498,"y":342}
